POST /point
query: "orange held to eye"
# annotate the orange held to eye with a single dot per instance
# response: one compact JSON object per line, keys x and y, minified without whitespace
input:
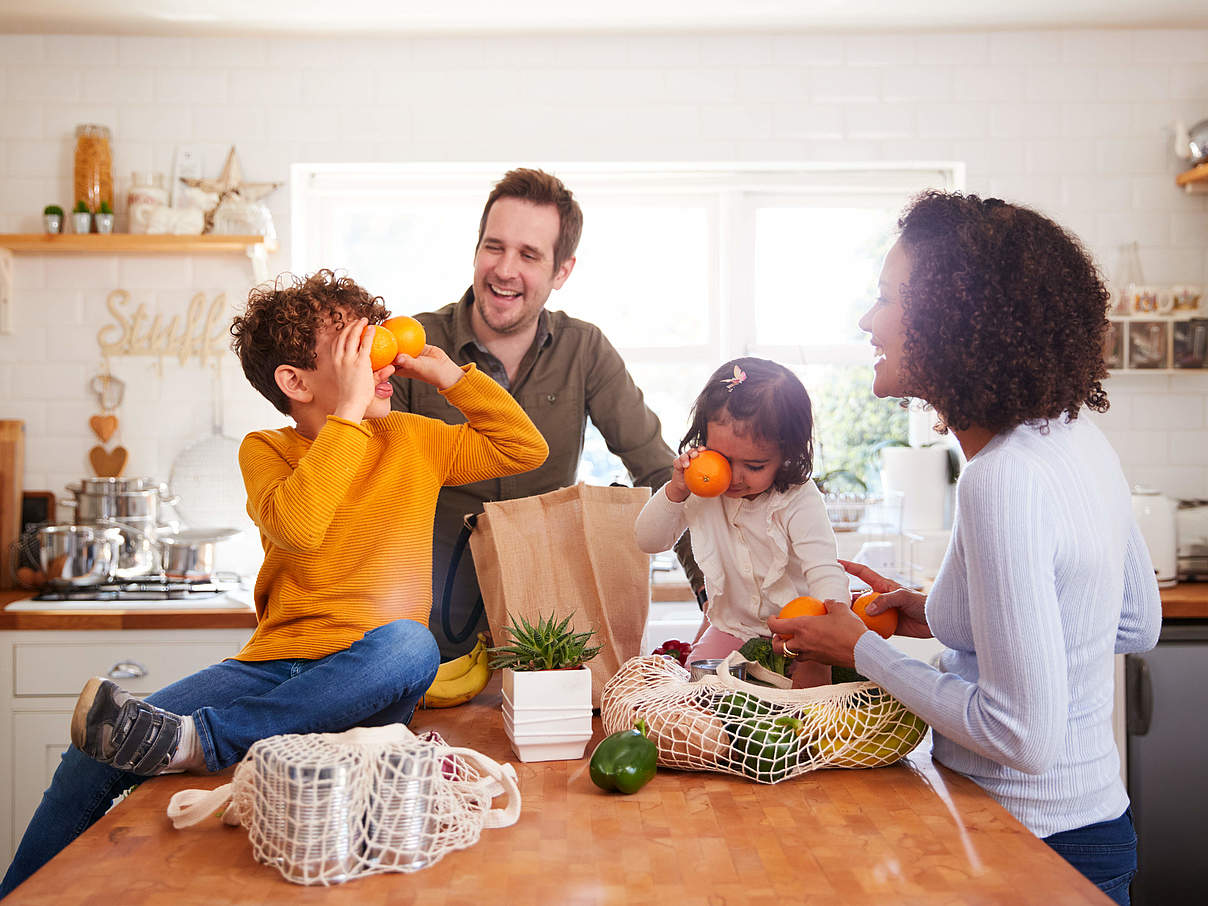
{"x":383,"y":348}
{"x":708,"y":474}
{"x":883,"y":624}
{"x":409,"y":333}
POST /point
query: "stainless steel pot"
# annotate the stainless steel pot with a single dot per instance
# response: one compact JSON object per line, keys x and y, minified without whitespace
{"x":121,"y":499}
{"x":78,"y":554}
{"x":189,"y":555}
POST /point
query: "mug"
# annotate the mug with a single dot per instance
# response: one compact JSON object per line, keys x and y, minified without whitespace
{"x":1185,"y":299}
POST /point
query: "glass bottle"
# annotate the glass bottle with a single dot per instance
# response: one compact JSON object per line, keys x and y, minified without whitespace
{"x":93,"y":166}
{"x":146,"y":195}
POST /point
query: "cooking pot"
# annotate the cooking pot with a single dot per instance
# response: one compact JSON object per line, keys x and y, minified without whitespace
{"x":189,"y":555}
{"x":78,"y":554}
{"x":118,"y":498}
{"x":1155,"y":515}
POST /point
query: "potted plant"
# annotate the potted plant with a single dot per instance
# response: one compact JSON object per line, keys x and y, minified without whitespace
{"x":104,"y":218}
{"x":81,"y":218}
{"x":546,"y":688}
{"x":52,"y":218}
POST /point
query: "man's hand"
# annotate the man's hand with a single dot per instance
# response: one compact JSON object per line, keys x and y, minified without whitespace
{"x":355,"y":378}
{"x":432,"y":366}
{"x":911,"y":605}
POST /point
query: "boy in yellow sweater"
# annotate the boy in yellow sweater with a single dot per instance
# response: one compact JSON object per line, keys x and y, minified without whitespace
{"x":344,"y":501}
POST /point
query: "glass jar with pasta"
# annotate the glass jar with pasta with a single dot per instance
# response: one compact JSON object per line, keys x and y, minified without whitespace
{"x":93,"y":166}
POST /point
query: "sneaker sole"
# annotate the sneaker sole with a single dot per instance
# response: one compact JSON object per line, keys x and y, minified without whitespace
{"x":79,"y":717}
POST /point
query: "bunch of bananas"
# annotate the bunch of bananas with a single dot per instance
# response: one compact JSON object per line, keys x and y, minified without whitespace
{"x":459,"y":680}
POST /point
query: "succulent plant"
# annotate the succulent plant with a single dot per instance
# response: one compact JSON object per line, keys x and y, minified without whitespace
{"x":81,"y":207}
{"x":105,"y":208}
{"x":53,"y":209}
{"x":548,"y":645}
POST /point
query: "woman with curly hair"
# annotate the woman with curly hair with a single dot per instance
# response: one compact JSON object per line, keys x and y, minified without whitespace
{"x":995,"y":316}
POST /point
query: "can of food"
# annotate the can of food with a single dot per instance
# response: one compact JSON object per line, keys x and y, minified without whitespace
{"x":400,"y":827}
{"x":708,"y":667}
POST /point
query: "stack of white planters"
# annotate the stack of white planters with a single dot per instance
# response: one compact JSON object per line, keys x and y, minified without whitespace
{"x":547,"y":713}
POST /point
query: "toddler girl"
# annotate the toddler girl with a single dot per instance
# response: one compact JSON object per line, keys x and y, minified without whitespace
{"x":767,"y":539}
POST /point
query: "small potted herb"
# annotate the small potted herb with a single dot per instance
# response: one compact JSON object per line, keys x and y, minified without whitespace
{"x":81,"y":218}
{"x":104,"y":218}
{"x":546,"y":688}
{"x":52,"y":218}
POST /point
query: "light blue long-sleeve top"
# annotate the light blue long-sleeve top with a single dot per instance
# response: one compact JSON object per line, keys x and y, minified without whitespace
{"x":1046,"y":577}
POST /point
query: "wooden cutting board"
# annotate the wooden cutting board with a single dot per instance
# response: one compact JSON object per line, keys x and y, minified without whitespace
{"x":12,"y":473}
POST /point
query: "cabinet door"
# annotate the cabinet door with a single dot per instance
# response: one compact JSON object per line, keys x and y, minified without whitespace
{"x":39,"y":738}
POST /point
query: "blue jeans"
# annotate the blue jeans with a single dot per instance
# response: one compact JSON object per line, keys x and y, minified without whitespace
{"x":1106,"y":853}
{"x":377,"y":680}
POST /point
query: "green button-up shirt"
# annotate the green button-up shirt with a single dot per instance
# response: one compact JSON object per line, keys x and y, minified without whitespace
{"x":570,"y":373}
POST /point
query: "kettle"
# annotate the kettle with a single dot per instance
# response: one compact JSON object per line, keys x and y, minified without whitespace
{"x":1155,"y":515}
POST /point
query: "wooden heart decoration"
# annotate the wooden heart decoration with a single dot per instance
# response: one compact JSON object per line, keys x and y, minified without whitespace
{"x":103,"y":426}
{"x":108,"y":463}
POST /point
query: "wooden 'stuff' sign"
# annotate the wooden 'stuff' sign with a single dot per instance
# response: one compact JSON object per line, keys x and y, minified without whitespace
{"x":202,"y":334}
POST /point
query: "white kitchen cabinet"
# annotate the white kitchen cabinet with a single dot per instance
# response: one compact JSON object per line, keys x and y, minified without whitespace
{"x":41,"y":674}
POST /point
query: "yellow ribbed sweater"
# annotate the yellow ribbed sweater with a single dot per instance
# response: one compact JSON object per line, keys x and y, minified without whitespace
{"x":346,"y":519}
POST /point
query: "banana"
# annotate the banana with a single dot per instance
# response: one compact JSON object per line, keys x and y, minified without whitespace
{"x":461,"y":683}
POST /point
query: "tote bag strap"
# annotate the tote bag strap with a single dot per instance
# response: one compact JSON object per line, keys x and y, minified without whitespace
{"x":446,"y":598}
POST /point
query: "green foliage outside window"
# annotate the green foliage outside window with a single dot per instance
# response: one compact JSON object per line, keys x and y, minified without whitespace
{"x":848,"y":423}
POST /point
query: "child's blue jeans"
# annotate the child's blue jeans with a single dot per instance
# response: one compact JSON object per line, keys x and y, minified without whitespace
{"x":1106,"y":853}
{"x":377,"y":680}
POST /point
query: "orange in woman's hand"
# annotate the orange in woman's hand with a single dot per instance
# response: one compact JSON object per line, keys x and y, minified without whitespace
{"x":708,"y":474}
{"x":883,"y":624}
{"x":383,"y":348}
{"x":409,"y":333}
{"x":802,"y":607}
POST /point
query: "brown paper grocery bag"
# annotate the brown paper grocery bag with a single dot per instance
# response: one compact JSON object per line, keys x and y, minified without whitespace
{"x":571,"y":550}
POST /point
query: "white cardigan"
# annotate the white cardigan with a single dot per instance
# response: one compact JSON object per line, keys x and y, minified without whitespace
{"x":756,"y":555}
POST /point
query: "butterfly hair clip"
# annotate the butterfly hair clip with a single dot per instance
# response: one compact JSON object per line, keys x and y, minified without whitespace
{"x":739,"y":377}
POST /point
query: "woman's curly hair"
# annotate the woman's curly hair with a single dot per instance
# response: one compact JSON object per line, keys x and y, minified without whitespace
{"x":1004,"y":314}
{"x":281,"y":323}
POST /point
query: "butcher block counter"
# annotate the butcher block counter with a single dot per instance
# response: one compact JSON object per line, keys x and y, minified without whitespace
{"x":912,"y":833}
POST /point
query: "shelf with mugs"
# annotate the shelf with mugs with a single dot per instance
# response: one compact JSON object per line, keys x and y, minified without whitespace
{"x":255,"y":247}
{"x":1156,"y":344}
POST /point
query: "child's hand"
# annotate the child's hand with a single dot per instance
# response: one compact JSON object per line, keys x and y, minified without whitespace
{"x":677,"y":488}
{"x":355,"y":378}
{"x":432,"y":366}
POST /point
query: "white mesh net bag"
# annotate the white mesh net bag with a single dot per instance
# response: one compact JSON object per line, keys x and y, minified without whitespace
{"x":324,"y":808}
{"x":723,"y":724}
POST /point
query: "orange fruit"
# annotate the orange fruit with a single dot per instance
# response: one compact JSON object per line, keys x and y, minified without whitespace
{"x":802,"y":607}
{"x":708,"y":474}
{"x":383,"y":346}
{"x":409,"y":333}
{"x":883,"y":624}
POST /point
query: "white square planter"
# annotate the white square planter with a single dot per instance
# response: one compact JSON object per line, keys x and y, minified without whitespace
{"x":547,"y":713}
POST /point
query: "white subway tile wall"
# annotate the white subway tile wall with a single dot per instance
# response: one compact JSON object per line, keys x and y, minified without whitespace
{"x":1077,"y":123}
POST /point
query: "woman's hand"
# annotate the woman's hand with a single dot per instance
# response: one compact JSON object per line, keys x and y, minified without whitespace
{"x":677,"y":488}
{"x":911,"y":605}
{"x":830,"y":638}
{"x":432,"y":366}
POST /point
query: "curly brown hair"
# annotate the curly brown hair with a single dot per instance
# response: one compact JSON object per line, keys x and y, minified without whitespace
{"x":769,"y":403}
{"x":282,"y":321}
{"x":1005,"y":314}
{"x":541,"y":188}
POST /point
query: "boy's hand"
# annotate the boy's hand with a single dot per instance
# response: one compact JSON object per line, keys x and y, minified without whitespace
{"x":355,"y":378}
{"x":677,"y":488}
{"x":432,"y":366}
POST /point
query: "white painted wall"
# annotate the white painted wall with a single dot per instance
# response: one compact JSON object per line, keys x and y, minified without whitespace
{"x":1075,"y":123}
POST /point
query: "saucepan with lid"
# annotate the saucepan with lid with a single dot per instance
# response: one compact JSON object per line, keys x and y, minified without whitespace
{"x":118,"y":498}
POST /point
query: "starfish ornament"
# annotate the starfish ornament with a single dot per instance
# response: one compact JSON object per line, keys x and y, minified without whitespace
{"x":230,"y":182}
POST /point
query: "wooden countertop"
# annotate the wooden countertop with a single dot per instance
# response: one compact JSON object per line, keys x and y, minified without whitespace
{"x":913,"y":833}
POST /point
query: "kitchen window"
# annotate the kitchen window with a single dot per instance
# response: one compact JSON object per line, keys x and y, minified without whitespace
{"x":682,"y":266}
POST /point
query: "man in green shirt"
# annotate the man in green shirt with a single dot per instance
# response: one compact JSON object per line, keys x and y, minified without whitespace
{"x":560,"y":369}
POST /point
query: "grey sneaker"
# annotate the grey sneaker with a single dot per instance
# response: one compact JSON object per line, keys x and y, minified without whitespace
{"x":119,"y":729}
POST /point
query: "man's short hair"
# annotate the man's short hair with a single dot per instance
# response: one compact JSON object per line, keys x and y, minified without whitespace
{"x":541,"y":188}
{"x":282,"y":321}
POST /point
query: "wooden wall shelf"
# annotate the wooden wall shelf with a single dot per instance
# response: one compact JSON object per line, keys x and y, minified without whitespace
{"x":132,"y":243}
{"x":1195,"y":179}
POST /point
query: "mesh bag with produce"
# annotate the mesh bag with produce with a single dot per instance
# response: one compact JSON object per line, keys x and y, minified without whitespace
{"x":764,"y":733}
{"x":323,"y":808}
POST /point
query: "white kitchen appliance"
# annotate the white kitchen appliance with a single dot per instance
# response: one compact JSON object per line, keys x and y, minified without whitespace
{"x":1155,"y":514}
